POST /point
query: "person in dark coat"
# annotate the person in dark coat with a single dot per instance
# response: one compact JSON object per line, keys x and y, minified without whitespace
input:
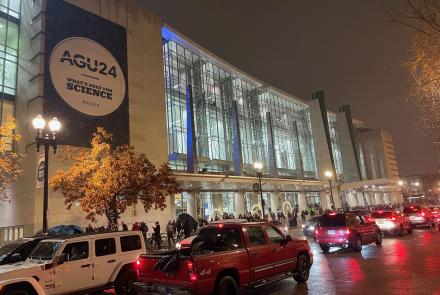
{"x":157,"y":234}
{"x":187,"y":229}
{"x":144,"y":229}
{"x":124,"y":226}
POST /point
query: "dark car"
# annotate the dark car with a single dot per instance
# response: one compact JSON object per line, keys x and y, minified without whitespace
{"x":420,"y":216}
{"x":18,"y":250}
{"x":309,"y":227}
{"x":347,"y":230}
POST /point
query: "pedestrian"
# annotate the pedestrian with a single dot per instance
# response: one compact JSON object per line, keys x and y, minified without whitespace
{"x":157,"y":237}
{"x":174,"y":227}
{"x":170,"y":235}
{"x":124,"y":226}
{"x":303,"y":216}
{"x":135,"y":226}
{"x":144,"y":229}
{"x":187,"y":228}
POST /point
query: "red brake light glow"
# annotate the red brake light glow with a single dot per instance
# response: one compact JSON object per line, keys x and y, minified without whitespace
{"x":347,"y":231}
{"x":138,"y":263}
{"x":192,"y":272}
{"x":333,"y":213}
{"x":423,"y":213}
{"x":393,"y":218}
{"x":220,"y":225}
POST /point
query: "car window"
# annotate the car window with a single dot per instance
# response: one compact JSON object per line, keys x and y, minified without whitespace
{"x":361,"y":220}
{"x":382,"y":214}
{"x":105,"y":247}
{"x":8,"y":248}
{"x":332,"y":220}
{"x":273,"y":235}
{"x":76,"y":251}
{"x":255,"y":235}
{"x":130,"y":243}
{"x":221,"y":239}
{"x":413,"y":209}
{"x":45,"y":250}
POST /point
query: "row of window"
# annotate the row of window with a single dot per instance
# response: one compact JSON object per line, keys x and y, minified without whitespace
{"x":11,"y":233}
{"x":103,"y":247}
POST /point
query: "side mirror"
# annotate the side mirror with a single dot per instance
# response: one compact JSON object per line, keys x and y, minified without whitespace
{"x":288,"y":238}
{"x":16,"y":257}
{"x":61,"y":259}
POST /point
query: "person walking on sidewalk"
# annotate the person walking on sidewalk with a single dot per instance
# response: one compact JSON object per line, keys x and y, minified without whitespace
{"x":170,"y":234}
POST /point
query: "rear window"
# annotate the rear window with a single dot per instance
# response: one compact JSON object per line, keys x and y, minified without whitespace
{"x":382,"y":214}
{"x":409,"y":210}
{"x":332,"y":220}
{"x":223,"y":239}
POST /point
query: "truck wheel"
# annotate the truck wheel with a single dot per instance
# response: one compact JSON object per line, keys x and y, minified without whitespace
{"x":123,"y":284}
{"x":379,"y":239}
{"x":357,"y":247}
{"x":16,"y":292}
{"x":226,"y":286}
{"x":302,"y":270}
{"x":401,"y":231}
{"x":324,"y":247}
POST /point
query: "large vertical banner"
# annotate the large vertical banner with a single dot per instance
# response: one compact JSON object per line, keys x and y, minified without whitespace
{"x":85,"y":82}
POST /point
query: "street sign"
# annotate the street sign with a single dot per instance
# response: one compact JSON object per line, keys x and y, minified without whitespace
{"x":256,"y":187}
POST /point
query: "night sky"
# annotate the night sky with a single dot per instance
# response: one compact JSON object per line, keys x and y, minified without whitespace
{"x":347,"y":48}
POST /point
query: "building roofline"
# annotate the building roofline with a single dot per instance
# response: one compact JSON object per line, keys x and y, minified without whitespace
{"x":180,"y":38}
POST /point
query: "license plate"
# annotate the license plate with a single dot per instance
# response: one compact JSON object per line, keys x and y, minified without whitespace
{"x":331,"y":232}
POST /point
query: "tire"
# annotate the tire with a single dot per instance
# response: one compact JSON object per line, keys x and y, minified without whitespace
{"x":302,"y":270}
{"x":123,"y":283}
{"x":16,"y":292}
{"x":324,"y":247}
{"x":379,"y":238}
{"x":401,"y":231}
{"x":226,"y":286}
{"x":357,"y":246}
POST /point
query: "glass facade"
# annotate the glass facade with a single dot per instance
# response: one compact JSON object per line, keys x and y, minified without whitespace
{"x":336,"y":147}
{"x":267,"y":121}
{"x":9,"y":33}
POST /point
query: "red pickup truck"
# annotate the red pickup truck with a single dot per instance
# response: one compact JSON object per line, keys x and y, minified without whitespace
{"x":224,"y":258}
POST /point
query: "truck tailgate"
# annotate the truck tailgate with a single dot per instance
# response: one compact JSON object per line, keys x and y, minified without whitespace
{"x":147,"y":274}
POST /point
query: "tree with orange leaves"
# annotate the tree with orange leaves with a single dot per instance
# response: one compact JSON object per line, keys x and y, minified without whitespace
{"x":106,"y":180}
{"x":9,"y":160}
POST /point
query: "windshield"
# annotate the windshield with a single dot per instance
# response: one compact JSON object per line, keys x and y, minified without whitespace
{"x":45,"y":250}
{"x":409,"y":210}
{"x":382,"y":214}
{"x":8,"y":248}
{"x":332,"y":220}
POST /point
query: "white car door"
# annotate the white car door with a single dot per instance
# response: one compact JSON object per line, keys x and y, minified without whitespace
{"x":76,"y":273}
{"x":104,"y":260}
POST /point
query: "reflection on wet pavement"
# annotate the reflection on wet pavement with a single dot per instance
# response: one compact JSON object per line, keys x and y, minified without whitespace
{"x":402,"y":265}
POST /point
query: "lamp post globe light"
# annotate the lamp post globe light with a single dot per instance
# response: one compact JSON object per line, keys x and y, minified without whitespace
{"x":329,"y":176}
{"x":258,"y":166}
{"x":47,"y":140}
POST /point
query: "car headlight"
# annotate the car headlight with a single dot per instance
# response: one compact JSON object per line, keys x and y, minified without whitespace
{"x":178,"y":245}
{"x":303,"y":225}
{"x":312,"y":227}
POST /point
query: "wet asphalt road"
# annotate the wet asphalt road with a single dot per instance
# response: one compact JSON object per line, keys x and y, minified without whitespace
{"x":402,"y":265}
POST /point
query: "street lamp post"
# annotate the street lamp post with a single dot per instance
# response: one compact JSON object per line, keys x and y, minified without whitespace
{"x":259,"y":167}
{"x":329,"y":175}
{"x":47,"y":141}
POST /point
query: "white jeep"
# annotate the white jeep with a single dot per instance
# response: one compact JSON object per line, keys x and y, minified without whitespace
{"x":76,"y":264}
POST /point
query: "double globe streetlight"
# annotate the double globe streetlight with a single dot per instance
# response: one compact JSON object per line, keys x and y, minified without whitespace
{"x":47,"y":140}
{"x":258,"y":166}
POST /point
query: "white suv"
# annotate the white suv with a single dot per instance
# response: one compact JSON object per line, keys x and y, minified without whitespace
{"x":76,"y":264}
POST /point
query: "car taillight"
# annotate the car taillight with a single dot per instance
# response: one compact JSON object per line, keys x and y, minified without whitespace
{"x":423,"y":214}
{"x":347,"y":231}
{"x":316,"y":231}
{"x":392,"y":219}
{"x":192,"y":272}
{"x":138,"y":263}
